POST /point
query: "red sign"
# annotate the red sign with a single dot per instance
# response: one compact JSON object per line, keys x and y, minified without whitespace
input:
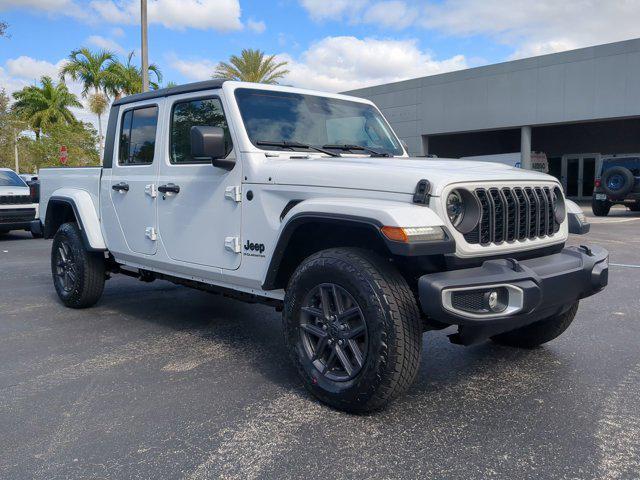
{"x":64,"y":154}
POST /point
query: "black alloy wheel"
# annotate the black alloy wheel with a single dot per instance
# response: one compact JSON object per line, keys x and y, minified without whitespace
{"x":66,"y":274}
{"x":334,"y":332}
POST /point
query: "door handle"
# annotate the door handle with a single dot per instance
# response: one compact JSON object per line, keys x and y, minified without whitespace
{"x":169,"y":188}
{"x":120,"y":187}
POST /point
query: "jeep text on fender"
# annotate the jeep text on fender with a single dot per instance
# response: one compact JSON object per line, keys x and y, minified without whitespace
{"x":308,"y":202}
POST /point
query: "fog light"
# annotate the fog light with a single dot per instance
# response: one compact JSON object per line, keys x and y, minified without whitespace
{"x":497,"y":300}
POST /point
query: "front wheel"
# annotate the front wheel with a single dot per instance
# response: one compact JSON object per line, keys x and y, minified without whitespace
{"x":78,"y":275}
{"x":543,"y":331}
{"x":353,"y":330}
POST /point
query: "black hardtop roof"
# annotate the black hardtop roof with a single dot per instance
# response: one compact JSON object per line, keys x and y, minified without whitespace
{"x":165,"y":92}
{"x":628,"y":158}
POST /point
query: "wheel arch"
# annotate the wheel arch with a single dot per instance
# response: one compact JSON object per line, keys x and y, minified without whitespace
{"x":79,"y":208}
{"x":306,"y":233}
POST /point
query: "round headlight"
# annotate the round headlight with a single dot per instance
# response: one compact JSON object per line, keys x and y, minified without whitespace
{"x":559,"y":209}
{"x":455,"y":207}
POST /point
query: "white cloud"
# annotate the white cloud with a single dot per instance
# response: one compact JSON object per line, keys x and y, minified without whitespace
{"x":193,"y":69}
{"x":332,"y":9}
{"x":534,"y":28}
{"x":220,"y":15}
{"x":344,"y":63}
{"x":66,"y":7}
{"x":391,"y":14}
{"x":105,"y":43}
{"x":117,"y":32}
{"x":530,"y":27}
{"x":256,"y":26}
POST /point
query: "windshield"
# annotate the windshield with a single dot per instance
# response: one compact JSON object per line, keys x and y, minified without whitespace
{"x":10,"y":179}
{"x":272,"y":116}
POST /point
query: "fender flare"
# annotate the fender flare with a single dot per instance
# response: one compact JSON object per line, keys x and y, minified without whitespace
{"x":396,"y":248}
{"x":86,"y":216}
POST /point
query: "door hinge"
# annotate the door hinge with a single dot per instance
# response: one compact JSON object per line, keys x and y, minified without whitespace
{"x":233,"y":193}
{"x":150,"y":233}
{"x":232,"y":244}
{"x":151,"y":190}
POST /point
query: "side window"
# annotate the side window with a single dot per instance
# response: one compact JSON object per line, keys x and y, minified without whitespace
{"x":201,"y":112}
{"x":138,"y":136}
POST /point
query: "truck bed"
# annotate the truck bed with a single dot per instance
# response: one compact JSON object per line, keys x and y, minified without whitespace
{"x":56,"y":179}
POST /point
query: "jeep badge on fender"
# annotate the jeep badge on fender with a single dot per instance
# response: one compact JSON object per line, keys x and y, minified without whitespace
{"x":254,"y":247}
{"x":368,"y":247}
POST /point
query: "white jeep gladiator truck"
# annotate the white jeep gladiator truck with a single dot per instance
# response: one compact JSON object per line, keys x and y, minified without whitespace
{"x":308,"y":202}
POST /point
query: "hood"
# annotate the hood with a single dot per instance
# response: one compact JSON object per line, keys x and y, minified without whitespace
{"x":397,"y":175}
{"x":14,"y":190}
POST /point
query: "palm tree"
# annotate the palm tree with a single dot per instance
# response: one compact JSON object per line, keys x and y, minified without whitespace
{"x":252,"y":66}
{"x":90,"y":68}
{"x":126,"y":78}
{"x":43,"y":106}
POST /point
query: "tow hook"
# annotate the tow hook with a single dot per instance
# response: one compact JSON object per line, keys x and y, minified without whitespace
{"x":515,"y":265}
{"x":586,"y":250}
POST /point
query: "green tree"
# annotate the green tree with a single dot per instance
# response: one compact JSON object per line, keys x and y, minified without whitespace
{"x":44,"y":106}
{"x":4,"y":26}
{"x":80,"y":138}
{"x":125,"y":78}
{"x":252,"y":66}
{"x":92,"y":70}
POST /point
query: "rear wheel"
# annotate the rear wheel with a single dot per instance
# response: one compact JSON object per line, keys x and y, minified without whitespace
{"x":600,"y":207}
{"x":352,"y":328}
{"x":78,"y":275}
{"x":540,"y":332}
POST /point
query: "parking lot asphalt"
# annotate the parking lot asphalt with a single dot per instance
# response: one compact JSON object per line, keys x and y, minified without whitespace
{"x":158,"y":381}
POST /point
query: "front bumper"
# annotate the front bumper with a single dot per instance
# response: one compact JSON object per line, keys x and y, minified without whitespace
{"x":541,"y":287}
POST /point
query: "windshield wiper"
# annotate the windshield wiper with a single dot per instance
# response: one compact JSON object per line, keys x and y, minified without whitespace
{"x":358,"y":147}
{"x":292,"y":145}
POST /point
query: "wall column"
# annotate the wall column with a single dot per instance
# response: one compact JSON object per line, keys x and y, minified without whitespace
{"x":425,"y":145}
{"x":525,"y":147}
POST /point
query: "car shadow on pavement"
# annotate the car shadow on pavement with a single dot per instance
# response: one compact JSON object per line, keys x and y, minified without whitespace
{"x":252,"y":335}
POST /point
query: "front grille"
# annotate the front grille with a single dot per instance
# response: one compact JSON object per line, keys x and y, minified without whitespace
{"x":513,"y":213}
{"x":12,"y":215}
{"x":15,"y":199}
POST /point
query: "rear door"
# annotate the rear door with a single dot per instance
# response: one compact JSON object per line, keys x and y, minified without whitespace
{"x":133,"y":177}
{"x":199,"y":223}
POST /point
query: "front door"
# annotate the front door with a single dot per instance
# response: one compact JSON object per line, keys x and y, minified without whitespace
{"x":578,"y":175}
{"x":132,"y":177}
{"x":199,"y":217}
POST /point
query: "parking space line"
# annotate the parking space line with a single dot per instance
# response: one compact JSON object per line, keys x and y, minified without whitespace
{"x":623,"y":265}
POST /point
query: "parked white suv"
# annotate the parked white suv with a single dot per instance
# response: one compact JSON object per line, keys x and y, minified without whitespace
{"x":18,"y":207}
{"x":308,"y":202}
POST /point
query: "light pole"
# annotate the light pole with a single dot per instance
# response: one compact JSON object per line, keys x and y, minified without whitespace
{"x":15,"y":149}
{"x":144,"y":49}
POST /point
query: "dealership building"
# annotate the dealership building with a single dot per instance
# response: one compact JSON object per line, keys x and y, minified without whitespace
{"x":576,"y":107}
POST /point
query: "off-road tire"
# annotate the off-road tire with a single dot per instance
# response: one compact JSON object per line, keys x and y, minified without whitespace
{"x":543,"y":331}
{"x":635,"y":207}
{"x":89,"y":269}
{"x":600,"y":208}
{"x":392,"y":320}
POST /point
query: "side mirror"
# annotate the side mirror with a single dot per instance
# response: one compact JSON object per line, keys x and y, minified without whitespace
{"x":208,"y":143}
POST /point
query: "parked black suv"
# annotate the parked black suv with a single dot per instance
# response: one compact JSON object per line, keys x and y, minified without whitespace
{"x":618,"y":182}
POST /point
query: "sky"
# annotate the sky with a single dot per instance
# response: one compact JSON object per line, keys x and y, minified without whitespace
{"x":332,"y":45}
